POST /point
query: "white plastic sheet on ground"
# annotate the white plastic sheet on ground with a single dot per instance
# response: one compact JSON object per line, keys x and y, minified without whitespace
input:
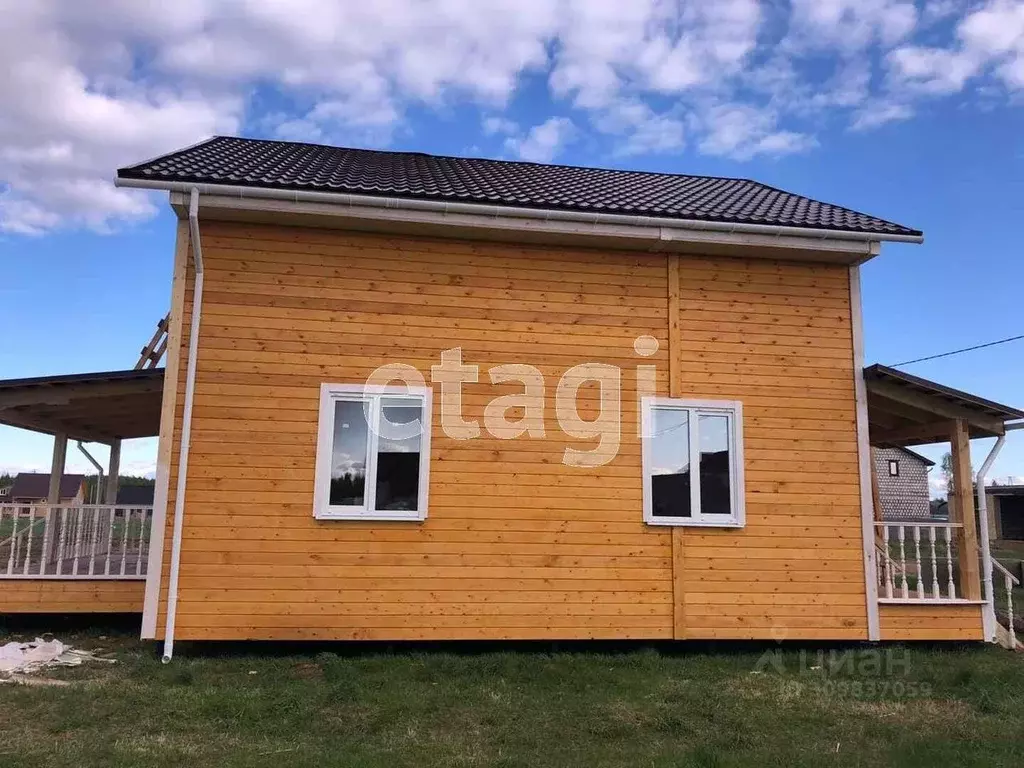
{"x":25,"y":658}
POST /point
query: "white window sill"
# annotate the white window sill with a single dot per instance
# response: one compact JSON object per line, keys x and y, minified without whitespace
{"x":408,"y":517}
{"x":682,"y":522}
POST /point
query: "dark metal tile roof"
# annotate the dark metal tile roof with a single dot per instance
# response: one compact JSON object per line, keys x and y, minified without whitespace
{"x":35,"y":485}
{"x":413,"y":175}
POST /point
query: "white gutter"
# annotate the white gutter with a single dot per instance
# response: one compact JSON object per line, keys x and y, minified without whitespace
{"x":348,"y":200}
{"x":99,"y":469}
{"x":186,"y":426}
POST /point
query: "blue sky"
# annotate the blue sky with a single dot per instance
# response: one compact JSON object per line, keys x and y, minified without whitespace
{"x":912,"y":112}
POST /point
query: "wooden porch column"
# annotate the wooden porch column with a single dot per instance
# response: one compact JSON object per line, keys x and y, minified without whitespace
{"x":113,"y":470}
{"x":963,"y":489}
{"x":60,"y":452}
{"x":51,"y":531}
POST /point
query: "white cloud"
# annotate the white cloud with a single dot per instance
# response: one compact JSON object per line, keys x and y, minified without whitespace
{"x":544,"y":142}
{"x":650,"y":45}
{"x":89,"y":87}
{"x":742,"y":132}
{"x":851,"y":25}
{"x":990,"y":37}
{"x":495,"y":124}
{"x":638,"y":129}
{"x":879,"y":113}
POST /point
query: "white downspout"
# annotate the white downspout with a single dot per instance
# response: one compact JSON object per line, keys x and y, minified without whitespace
{"x":186,"y":426}
{"x":988,"y":619}
{"x":989,"y":615}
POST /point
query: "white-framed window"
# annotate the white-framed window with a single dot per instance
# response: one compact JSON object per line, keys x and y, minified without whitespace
{"x":693,"y":462}
{"x":894,"y":468}
{"x":372,"y":453}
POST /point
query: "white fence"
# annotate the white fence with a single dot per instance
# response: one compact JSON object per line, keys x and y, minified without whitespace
{"x":918,"y":561}
{"x":50,"y":541}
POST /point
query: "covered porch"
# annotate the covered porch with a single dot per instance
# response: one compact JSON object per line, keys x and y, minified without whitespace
{"x":46,"y":544}
{"x":939,"y":567}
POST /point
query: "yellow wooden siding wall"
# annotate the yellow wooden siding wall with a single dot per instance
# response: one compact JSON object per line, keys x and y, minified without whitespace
{"x":57,"y":596}
{"x":516,"y":545}
{"x":778,"y":337}
{"x":930,"y":622}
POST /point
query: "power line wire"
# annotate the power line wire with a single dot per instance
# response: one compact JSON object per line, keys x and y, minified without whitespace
{"x":958,"y":351}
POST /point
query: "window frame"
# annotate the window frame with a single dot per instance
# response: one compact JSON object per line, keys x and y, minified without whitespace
{"x":894,"y":467}
{"x":330,"y":394}
{"x":733,"y":410}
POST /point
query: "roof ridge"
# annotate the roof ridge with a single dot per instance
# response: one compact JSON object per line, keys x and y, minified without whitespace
{"x":500,"y":161}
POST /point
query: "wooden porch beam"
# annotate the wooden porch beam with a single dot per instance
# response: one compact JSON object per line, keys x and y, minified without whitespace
{"x":66,"y":393}
{"x":963,"y":491}
{"x":74,"y":430}
{"x":935,"y":432}
{"x":945,"y":410}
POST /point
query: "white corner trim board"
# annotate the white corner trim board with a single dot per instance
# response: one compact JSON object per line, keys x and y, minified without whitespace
{"x":186,"y":427}
{"x":867,"y":511}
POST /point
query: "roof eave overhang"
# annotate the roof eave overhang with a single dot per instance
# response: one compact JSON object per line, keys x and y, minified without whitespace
{"x":508,"y":223}
{"x":906,"y":410}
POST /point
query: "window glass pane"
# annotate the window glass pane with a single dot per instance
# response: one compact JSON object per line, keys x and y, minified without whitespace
{"x":348,"y":454}
{"x":670,"y":463}
{"x":715,"y":480}
{"x":398,"y":454}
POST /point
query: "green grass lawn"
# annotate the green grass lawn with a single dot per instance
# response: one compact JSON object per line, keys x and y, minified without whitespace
{"x":366,"y":706}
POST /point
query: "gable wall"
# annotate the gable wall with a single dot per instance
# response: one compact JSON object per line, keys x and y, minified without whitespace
{"x":516,"y":545}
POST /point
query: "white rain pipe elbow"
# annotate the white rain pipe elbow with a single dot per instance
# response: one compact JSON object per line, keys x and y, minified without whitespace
{"x":186,"y":426}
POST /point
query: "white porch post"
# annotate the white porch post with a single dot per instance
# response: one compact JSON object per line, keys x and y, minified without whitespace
{"x":113,"y":469}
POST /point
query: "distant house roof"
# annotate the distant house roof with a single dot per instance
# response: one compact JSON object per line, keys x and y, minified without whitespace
{"x":1005,"y":490}
{"x":36,"y":485}
{"x":135,"y":495}
{"x":245,"y":162}
{"x":923,"y":459}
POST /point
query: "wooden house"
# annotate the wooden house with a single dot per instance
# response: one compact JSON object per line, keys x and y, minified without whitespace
{"x":411,"y":397}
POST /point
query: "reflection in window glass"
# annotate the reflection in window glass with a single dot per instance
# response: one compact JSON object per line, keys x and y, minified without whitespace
{"x":670,"y":462}
{"x":715,"y":480}
{"x":398,"y":455}
{"x":348,"y":455}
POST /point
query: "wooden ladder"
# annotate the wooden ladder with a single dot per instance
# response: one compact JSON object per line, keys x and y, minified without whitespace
{"x":153,"y":352}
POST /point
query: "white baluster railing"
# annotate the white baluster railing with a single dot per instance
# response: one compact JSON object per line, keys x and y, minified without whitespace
{"x":1009,"y":582}
{"x":923,"y":551}
{"x":49,"y":541}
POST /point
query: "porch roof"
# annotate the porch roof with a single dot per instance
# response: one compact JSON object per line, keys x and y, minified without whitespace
{"x":907,"y":410}
{"x":92,"y":407}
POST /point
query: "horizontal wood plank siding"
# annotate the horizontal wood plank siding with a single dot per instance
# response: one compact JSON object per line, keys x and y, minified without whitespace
{"x":516,"y":545}
{"x":782,"y":344}
{"x":79,"y":596}
{"x":930,"y":622}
